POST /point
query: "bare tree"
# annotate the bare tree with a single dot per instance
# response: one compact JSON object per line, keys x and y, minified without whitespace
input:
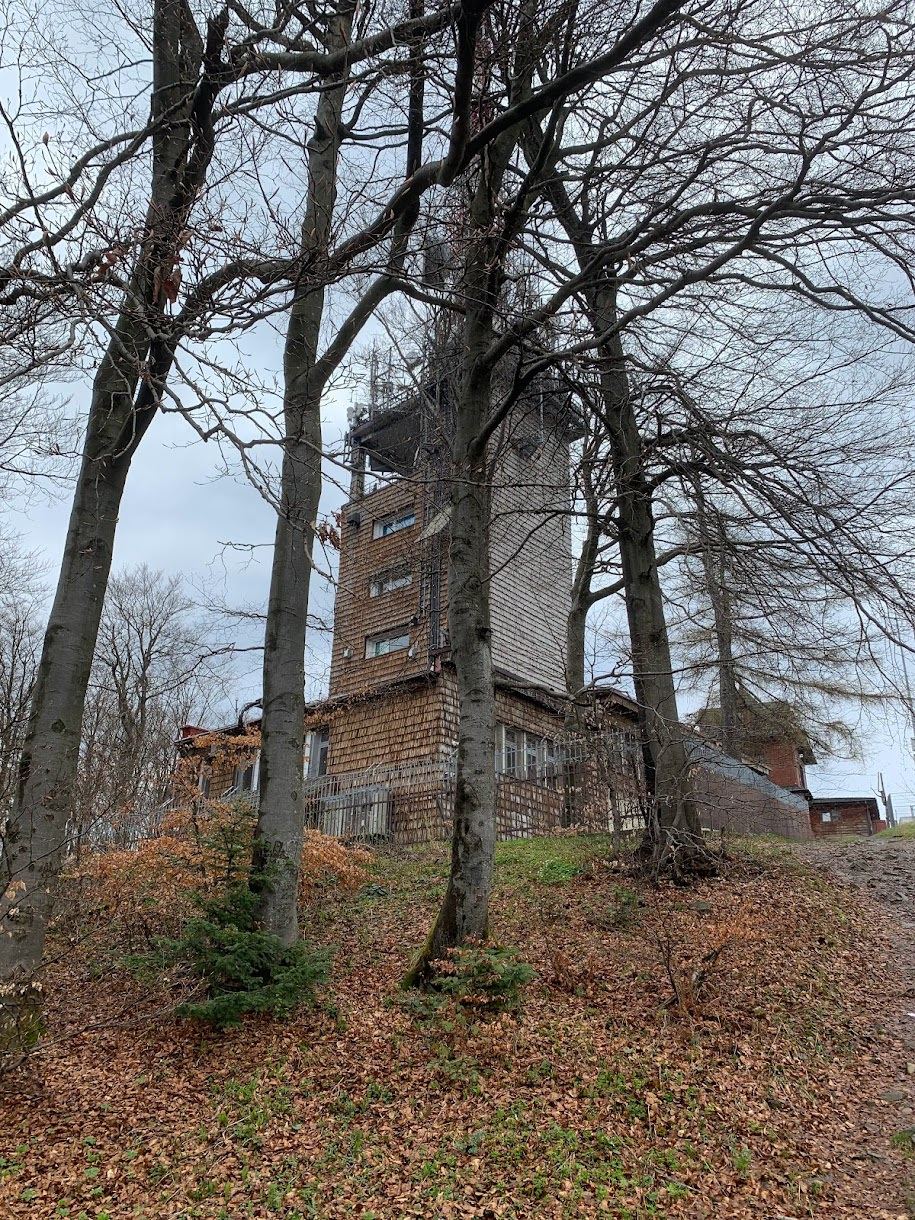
{"x":138,"y":274}
{"x":21,"y":596}
{"x":701,"y":170}
{"x":501,"y":195}
{"x":157,"y":667}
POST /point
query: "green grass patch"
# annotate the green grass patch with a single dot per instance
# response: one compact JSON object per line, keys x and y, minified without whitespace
{"x":550,"y":861}
{"x":905,"y":830}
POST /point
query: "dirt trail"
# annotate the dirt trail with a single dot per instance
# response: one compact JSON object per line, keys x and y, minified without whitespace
{"x":883,"y":868}
{"x":871,"y":1170}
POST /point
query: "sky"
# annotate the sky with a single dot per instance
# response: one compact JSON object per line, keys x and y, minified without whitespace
{"x":178,"y":513}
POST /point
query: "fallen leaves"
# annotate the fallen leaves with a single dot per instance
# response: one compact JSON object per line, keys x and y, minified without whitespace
{"x":593,"y":1099}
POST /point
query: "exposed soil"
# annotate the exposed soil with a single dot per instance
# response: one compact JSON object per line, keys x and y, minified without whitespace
{"x":884,"y":870}
{"x":883,"y":867}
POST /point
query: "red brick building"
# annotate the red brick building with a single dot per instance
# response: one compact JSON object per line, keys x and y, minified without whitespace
{"x":770,"y":739}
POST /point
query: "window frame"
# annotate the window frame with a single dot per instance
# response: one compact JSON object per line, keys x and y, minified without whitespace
{"x":515,"y":748}
{"x":387,"y":637}
{"x":390,"y":582}
{"x":394,"y":523}
{"x":317,"y":751}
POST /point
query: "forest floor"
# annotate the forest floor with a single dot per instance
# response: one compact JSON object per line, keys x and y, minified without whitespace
{"x":742,"y":1049}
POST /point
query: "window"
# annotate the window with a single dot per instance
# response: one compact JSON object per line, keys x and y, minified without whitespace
{"x":830,"y":815}
{"x":525,"y":755}
{"x":550,"y":759}
{"x":533,"y":755}
{"x":510,"y":751}
{"x":317,"y":745}
{"x":388,"y":582}
{"x":394,"y":523}
{"x":381,"y":645}
{"x":244,"y":778}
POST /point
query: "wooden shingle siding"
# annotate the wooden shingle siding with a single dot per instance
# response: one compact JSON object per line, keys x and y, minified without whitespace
{"x":531,"y":556}
{"x":399,"y":725}
{"x":358,"y":616}
{"x":394,"y":747}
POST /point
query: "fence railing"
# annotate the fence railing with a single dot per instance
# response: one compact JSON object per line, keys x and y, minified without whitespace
{"x":413,"y":802}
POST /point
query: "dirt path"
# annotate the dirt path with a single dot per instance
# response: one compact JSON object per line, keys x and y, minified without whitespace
{"x":871,"y":1170}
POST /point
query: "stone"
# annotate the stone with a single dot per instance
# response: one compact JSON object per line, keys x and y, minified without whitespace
{"x":701,"y":907}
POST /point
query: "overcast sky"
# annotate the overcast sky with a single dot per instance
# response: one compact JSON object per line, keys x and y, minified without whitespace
{"x":179,"y":512}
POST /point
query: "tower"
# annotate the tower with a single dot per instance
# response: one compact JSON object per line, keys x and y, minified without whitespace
{"x":382,"y":743}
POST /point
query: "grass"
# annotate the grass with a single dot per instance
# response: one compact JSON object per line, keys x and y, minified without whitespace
{"x":905,"y":830}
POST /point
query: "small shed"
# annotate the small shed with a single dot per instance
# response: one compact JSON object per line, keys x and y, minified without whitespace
{"x":845,"y":815}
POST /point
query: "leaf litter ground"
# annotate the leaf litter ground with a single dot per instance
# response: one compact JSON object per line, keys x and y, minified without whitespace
{"x":740,"y":1049}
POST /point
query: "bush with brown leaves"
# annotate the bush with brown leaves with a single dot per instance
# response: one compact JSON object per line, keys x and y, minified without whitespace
{"x":137,"y":896}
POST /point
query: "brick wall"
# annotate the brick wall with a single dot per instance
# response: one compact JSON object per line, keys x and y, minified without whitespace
{"x":732,"y":796}
{"x":530,"y":560}
{"x":397,"y":744}
{"x":783,"y":761}
{"x":396,"y":725}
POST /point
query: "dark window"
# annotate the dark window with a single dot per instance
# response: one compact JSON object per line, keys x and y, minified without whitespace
{"x":318,"y":744}
{"x":244,"y":778}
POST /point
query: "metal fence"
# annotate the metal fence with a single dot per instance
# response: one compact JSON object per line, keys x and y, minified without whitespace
{"x":595,"y":785}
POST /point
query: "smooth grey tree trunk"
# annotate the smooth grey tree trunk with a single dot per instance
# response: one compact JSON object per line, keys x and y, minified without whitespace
{"x":464,"y":913}
{"x":280,"y":822}
{"x":714,"y":565}
{"x":582,"y":590}
{"x":125,"y":396}
{"x":279,"y":836}
{"x":576,"y":634}
{"x":674,"y":831}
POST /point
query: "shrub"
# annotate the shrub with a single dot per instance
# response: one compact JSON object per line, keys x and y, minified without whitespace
{"x":243,"y":969}
{"x":140,"y":895}
{"x":483,"y":978}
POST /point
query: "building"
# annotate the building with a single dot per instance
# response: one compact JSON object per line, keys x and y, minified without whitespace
{"x":381,"y":747}
{"x":845,"y":815}
{"x":774,"y":744}
{"x":770,"y":739}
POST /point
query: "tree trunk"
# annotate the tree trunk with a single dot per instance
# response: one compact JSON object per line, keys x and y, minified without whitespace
{"x":35,"y":836}
{"x":125,"y":397}
{"x":716,"y":587}
{"x":464,"y":912}
{"x":582,"y":599}
{"x":674,"y":831}
{"x":280,"y":822}
{"x":465,"y":909}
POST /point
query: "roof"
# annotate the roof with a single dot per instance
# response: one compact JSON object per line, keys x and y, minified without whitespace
{"x":832,"y":801}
